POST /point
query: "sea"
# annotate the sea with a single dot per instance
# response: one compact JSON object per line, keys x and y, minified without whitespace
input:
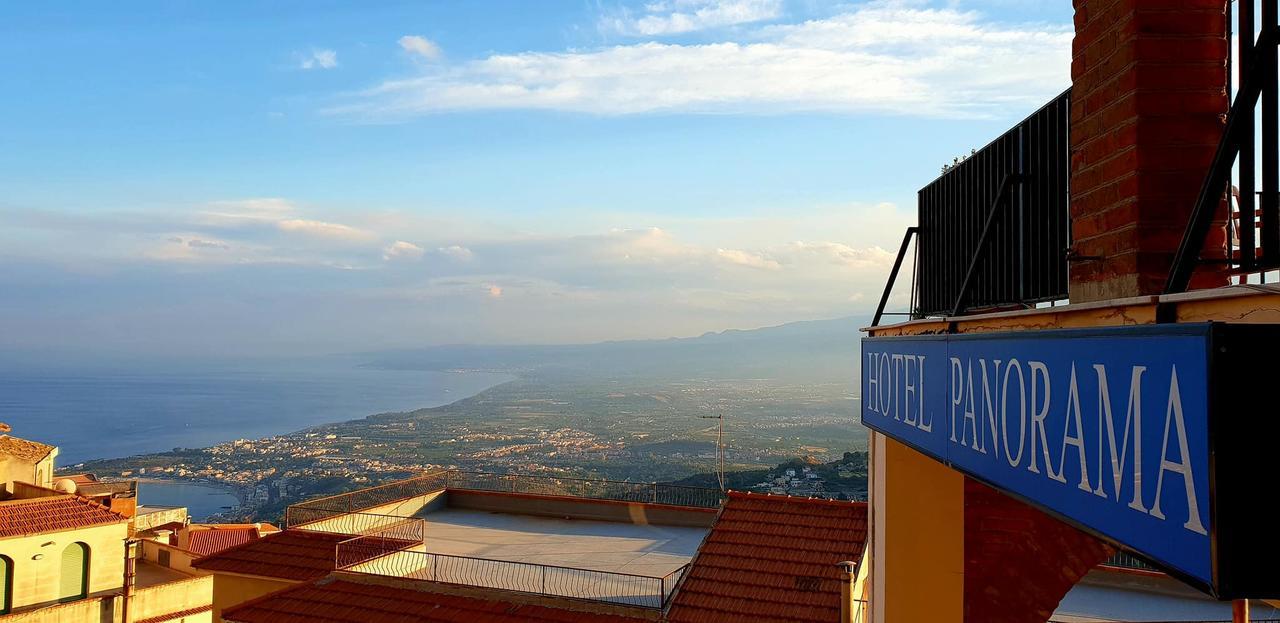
{"x":201,"y":500}
{"x":124,"y":410}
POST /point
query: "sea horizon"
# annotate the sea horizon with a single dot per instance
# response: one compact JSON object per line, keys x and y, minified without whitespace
{"x":92,"y":412}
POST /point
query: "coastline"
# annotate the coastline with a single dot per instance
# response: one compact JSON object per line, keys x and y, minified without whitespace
{"x":243,"y":493}
{"x":207,"y":422}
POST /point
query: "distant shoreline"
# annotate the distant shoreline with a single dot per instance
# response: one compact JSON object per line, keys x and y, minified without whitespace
{"x":242,"y":493}
{"x":451,"y":394}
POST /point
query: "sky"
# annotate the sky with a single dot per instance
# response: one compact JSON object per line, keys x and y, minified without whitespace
{"x":190,"y":179}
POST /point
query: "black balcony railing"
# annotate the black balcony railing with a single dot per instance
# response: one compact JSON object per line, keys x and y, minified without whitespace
{"x":1254,"y":240}
{"x":993,"y":230}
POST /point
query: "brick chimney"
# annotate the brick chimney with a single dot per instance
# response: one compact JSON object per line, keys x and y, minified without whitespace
{"x":1149,"y":97}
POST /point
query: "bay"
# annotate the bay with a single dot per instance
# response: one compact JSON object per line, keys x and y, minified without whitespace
{"x":129,"y":410}
{"x":201,"y":500}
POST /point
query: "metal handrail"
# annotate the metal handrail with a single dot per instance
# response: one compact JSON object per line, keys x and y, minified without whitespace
{"x":525,"y":577}
{"x":356,"y":501}
{"x":586,"y":488}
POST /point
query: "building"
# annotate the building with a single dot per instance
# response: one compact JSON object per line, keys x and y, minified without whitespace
{"x":1088,"y":302}
{"x":67,"y":558}
{"x":25,"y":461}
{"x":457,"y":546}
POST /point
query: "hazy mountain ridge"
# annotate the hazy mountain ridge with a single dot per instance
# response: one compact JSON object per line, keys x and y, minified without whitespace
{"x":815,"y":351}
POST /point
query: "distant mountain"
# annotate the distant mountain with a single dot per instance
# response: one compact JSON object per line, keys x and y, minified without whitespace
{"x":812,"y":351}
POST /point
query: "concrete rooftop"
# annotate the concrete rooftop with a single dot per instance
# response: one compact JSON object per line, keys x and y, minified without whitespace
{"x":616,"y":547}
{"x":149,"y":574}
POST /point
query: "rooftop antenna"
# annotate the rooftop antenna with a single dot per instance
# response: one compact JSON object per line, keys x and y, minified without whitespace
{"x":719,"y":445}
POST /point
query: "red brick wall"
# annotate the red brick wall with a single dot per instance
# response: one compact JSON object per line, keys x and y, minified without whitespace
{"x":1149,"y":96}
{"x":1018,"y":561}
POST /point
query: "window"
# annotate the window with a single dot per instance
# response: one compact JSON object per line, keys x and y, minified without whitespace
{"x":75,"y":573}
{"x":6,"y":584}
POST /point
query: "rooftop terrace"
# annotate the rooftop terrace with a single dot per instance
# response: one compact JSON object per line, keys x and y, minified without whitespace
{"x":617,"y":542}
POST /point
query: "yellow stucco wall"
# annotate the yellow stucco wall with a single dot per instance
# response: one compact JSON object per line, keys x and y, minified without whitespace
{"x":37,"y":473}
{"x":92,"y":610}
{"x":37,"y":561}
{"x":918,"y":537}
{"x":153,"y":601}
{"x":163,"y":599}
{"x":231,"y":590}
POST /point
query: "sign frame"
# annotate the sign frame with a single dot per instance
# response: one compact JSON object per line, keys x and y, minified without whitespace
{"x":1242,"y":547}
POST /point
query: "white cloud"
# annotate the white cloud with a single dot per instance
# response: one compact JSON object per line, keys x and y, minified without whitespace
{"x":323,"y":229}
{"x":420,"y":46}
{"x":682,"y":16}
{"x":892,"y":57}
{"x":456,"y":252}
{"x":271,"y":205}
{"x":281,"y":215}
{"x":745,"y":258}
{"x":318,"y":59}
{"x":838,"y":253}
{"x":401,"y":250}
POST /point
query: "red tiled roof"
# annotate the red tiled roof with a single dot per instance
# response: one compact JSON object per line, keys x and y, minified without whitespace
{"x":299,"y":555}
{"x":165,"y":618}
{"x":203,"y":542}
{"x":335,"y":600}
{"x":23,"y":449}
{"x":772,"y":559}
{"x":51,"y":514}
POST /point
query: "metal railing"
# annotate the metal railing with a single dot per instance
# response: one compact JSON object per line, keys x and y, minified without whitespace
{"x":380,"y":542}
{"x":1125,"y":560}
{"x":525,"y":577}
{"x":312,"y":511}
{"x":361,"y":523}
{"x":615,"y":490}
{"x":994,"y":229}
{"x":369,"y":497}
{"x":1254,"y":243}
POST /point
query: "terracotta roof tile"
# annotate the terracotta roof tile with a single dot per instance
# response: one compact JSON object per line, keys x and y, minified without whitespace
{"x":335,"y":600}
{"x":772,"y":559}
{"x":300,"y":555}
{"x":23,"y":449}
{"x":203,"y":542}
{"x":51,"y":514}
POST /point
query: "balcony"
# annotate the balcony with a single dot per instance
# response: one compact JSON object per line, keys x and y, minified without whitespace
{"x":605,"y":541}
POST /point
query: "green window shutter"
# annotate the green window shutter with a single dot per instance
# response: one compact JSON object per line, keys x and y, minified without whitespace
{"x":75,"y":572}
{"x":6,"y":584}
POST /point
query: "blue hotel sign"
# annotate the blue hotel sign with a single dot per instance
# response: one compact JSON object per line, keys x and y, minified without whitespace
{"x":1111,"y":429}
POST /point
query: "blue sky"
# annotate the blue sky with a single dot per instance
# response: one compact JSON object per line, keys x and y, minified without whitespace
{"x":295,"y":177}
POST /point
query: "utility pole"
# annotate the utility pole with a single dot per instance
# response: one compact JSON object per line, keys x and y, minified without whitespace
{"x":719,"y":446}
